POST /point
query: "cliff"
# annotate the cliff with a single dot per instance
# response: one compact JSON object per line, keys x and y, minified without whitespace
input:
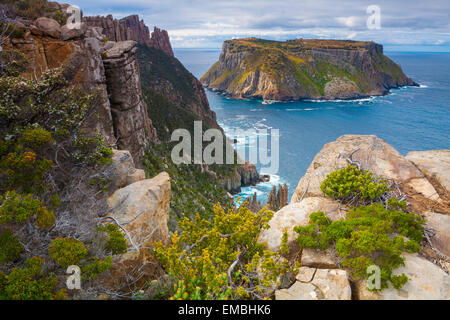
{"x":303,"y":69}
{"x":130,"y":28}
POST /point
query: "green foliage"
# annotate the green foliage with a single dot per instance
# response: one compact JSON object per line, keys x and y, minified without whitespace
{"x":10,"y":247}
{"x":350,"y":183}
{"x":92,"y":151}
{"x":67,"y":251}
{"x":116,"y":242}
{"x":95,"y":266}
{"x":29,"y":283}
{"x":200,"y":258}
{"x":370,"y":235}
{"x":20,"y":208}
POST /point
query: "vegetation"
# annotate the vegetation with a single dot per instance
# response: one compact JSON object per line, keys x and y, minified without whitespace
{"x":116,"y":242}
{"x":351,"y":185}
{"x":222,"y":259}
{"x":29,"y":283}
{"x":67,"y":252}
{"x":375,"y":234}
{"x":10,"y":247}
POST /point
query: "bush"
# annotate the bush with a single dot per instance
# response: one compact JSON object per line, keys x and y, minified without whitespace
{"x":19,"y":208}
{"x":10,"y":247}
{"x":222,"y":259}
{"x":29,"y":283}
{"x":95,"y":266}
{"x":67,"y":251}
{"x":351,"y":184}
{"x":116,"y":242}
{"x":370,"y":235}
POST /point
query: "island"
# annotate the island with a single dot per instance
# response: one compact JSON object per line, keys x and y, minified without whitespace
{"x":303,"y":69}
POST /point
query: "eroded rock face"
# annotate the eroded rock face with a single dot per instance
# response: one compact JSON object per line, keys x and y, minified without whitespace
{"x":130,"y":28}
{"x":373,"y":154}
{"x":296,"y":214}
{"x":426,"y":282}
{"x":142,"y":208}
{"x":435,"y":164}
{"x":318,"y":284}
{"x":132,"y":126}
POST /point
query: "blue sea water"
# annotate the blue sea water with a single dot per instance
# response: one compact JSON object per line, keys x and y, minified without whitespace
{"x":410,"y":118}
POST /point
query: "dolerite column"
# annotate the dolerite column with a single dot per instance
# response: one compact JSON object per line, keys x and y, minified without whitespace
{"x":132,"y":126}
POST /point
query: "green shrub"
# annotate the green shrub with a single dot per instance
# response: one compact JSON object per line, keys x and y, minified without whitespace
{"x":95,"y":266}
{"x":199,"y":259}
{"x":15,"y":207}
{"x":351,"y":184}
{"x":116,"y":242}
{"x":370,"y":235}
{"x":92,"y":151}
{"x":10,"y":247}
{"x":67,"y":251}
{"x":29,"y":283}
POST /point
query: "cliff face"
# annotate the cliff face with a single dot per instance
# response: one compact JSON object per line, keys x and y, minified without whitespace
{"x":130,"y":28}
{"x":303,"y":69}
{"x":108,"y":69}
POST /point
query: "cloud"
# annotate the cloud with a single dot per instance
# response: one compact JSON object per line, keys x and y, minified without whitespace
{"x":207,"y":23}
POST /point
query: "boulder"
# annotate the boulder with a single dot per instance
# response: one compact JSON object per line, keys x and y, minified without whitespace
{"x":440,"y":226}
{"x":318,"y":284}
{"x":135,"y":176}
{"x":73,"y":33}
{"x":49,"y":27}
{"x":296,"y":214}
{"x":142,"y":208}
{"x":426,"y":282}
{"x":434,"y":164}
{"x":121,"y":167}
{"x":373,"y":154}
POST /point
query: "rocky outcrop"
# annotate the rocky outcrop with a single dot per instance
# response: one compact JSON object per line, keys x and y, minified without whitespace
{"x":426,"y":282}
{"x":142,"y":208}
{"x":435,"y":165}
{"x":244,"y":175}
{"x":132,"y":126}
{"x":122,"y":171}
{"x":318,"y":284}
{"x":130,"y":28}
{"x":427,"y":273}
{"x":303,"y":69}
{"x":374,"y":155}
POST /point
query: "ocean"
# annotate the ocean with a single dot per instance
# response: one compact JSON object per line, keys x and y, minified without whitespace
{"x":410,"y":118}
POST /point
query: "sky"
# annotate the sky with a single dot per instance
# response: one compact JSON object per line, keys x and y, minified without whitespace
{"x":397,"y":24}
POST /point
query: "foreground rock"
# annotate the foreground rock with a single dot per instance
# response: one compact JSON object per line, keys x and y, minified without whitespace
{"x":374,"y":155}
{"x":296,"y":214}
{"x":439,"y":224}
{"x":426,"y":282}
{"x":435,"y":164}
{"x":318,"y":284}
{"x":142,"y":208}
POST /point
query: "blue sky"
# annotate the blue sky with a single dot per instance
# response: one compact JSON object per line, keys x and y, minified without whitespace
{"x":404,"y":24}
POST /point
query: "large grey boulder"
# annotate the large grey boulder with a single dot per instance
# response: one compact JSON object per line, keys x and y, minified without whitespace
{"x":49,"y":27}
